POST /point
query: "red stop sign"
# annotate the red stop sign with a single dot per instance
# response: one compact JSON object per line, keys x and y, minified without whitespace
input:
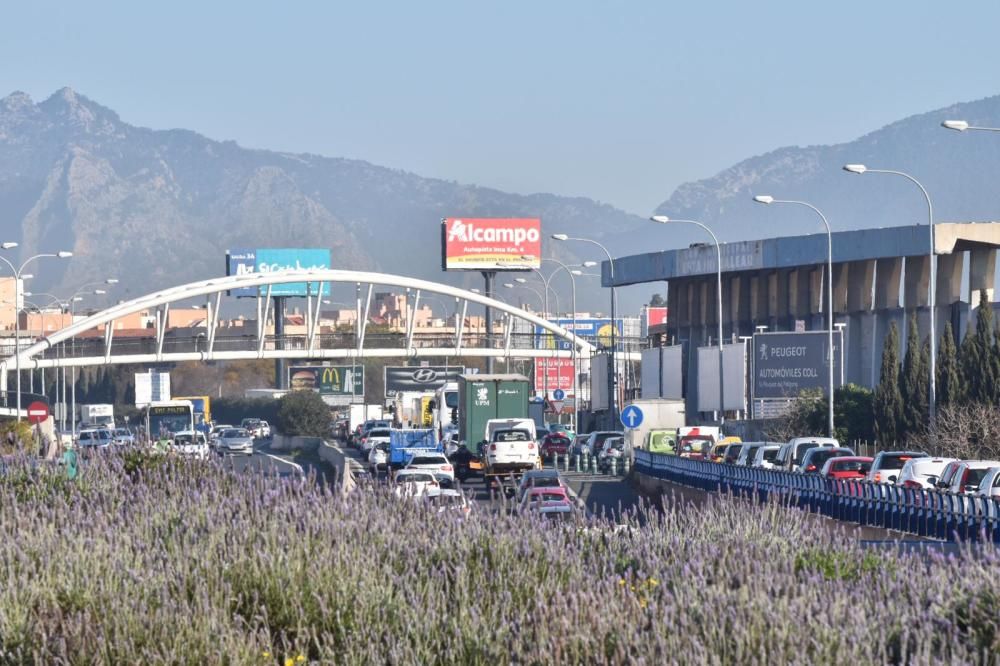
{"x":37,"y":412}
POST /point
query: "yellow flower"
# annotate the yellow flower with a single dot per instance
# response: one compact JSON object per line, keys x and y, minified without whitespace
{"x":289,"y":661}
{"x":265,"y":654}
{"x":621,"y":581}
{"x":653,"y":582}
{"x":300,"y":658}
{"x":642,"y":603}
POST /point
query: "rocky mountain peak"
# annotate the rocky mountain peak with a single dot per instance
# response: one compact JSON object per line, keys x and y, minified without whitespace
{"x":69,"y":106}
{"x":16,"y":102}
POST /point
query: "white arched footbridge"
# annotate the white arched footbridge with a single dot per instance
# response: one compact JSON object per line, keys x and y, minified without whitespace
{"x":55,"y":351}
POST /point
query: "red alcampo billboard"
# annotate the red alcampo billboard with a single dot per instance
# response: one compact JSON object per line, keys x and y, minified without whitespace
{"x":482,"y":244}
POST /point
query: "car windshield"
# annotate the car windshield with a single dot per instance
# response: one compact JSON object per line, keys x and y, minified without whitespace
{"x":695,"y":445}
{"x":510,"y":436}
{"x":976,"y":476}
{"x":800,"y":452}
{"x":548,"y":497}
{"x":379,"y":433}
{"x":770,"y":455}
{"x":183,"y":439}
{"x":414,"y":478}
{"x":733,"y":450}
{"x":546,"y":482}
{"x":234,"y":433}
{"x":601,"y":437}
{"x":429,"y":460}
{"x":447,"y":500}
{"x":851,"y":466}
{"x":818,"y":458}
{"x":896,"y":460}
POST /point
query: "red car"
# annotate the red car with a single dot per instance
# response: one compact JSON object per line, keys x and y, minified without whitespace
{"x":554,"y":442}
{"x":846,"y":467}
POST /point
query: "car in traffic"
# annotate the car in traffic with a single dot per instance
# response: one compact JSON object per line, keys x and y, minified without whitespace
{"x":852,"y":467}
{"x":732,"y":453}
{"x":814,"y":459}
{"x":188,"y":444}
{"x":612,"y":449}
{"x":123,"y":437}
{"x":920,"y":473}
{"x":595,"y":441}
{"x":434,"y":463}
{"x":378,"y":458}
{"x":539,"y":495}
{"x":791,"y":453}
{"x":235,"y":440}
{"x":887,"y":464}
{"x":447,"y":500}
{"x":969,"y":474}
{"x":539,"y":478}
{"x":990,"y":485}
{"x":555,"y":428}
{"x":413,"y":483}
{"x":765,"y":456}
{"x":216,"y":432}
{"x":94,"y":438}
{"x":554,"y":443}
{"x":943,"y":482}
{"x":373,"y":437}
{"x":577,"y":444}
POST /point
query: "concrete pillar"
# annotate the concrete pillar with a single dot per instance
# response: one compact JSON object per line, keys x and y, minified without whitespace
{"x":859,"y":285}
{"x":706,"y":313}
{"x":817,"y":290}
{"x":918,"y":276}
{"x":758,"y":297}
{"x":780,"y":302}
{"x":840,"y":275}
{"x":682,"y":291}
{"x":731,"y":309}
{"x":798,"y":293}
{"x":949,"y":278}
{"x":888,"y":273}
{"x":743,"y":319}
{"x":982,"y":266}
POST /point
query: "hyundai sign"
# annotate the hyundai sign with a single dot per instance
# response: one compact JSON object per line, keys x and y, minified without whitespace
{"x":276,"y":260}
{"x":785,"y":364}
{"x":486,"y":244}
{"x":399,"y":379}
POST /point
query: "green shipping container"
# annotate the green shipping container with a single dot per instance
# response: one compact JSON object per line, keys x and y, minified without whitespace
{"x":485,"y":397}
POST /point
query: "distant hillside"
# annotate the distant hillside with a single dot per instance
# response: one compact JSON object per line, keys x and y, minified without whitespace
{"x":959,"y":170}
{"x":158,"y":208}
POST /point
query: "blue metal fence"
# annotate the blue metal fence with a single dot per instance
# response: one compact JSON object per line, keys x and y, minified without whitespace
{"x":927,"y":513}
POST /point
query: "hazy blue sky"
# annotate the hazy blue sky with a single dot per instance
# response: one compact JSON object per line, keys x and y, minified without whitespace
{"x":618,"y":101}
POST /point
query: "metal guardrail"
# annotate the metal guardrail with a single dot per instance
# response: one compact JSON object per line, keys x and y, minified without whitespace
{"x":926,"y":513}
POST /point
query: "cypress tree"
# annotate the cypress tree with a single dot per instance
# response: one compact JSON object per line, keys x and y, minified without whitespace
{"x":976,"y":356}
{"x":888,"y":405}
{"x":909,"y":382}
{"x":949,"y":382}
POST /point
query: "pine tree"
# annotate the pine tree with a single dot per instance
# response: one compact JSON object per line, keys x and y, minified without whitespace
{"x":976,"y":356}
{"x":888,"y":405}
{"x":949,"y":383}
{"x":913,"y":383}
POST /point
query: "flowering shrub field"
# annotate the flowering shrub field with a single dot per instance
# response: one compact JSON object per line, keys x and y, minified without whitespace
{"x":181,"y":563}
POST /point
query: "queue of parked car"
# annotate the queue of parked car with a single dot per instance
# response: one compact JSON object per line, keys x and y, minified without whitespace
{"x":827,"y":458}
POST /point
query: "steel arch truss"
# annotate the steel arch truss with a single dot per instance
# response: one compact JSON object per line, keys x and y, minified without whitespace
{"x":213,"y":289}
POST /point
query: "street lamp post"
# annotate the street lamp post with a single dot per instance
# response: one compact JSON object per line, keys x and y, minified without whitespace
{"x":576,"y":393}
{"x":612,"y":370}
{"x":765,"y":199}
{"x":663,"y":219}
{"x":931,"y":287}
{"x":962,"y":126}
{"x":17,"y":319}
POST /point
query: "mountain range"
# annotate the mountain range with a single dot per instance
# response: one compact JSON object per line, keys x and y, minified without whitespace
{"x":156,"y":208}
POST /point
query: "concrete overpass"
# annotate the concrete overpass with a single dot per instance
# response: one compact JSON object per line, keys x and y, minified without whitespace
{"x":879,"y":276}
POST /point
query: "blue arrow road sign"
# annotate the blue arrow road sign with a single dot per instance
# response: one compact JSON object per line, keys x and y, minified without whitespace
{"x":631,"y":417}
{"x":558,"y":394}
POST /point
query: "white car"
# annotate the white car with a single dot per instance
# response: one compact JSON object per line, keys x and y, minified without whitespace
{"x":765,"y":455}
{"x":511,"y":449}
{"x":790,"y":455}
{"x":595,"y":441}
{"x":375,"y":436}
{"x":378,"y":457}
{"x":433,"y":462}
{"x":921,"y":472}
{"x":235,"y":440}
{"x":448,"y":500}
{"x":887,"y":464}
{"x":217,"y":431}
{"x":970,"y":474}
{"x":264,"y":431}
{"x":189,"y":444}
{"x":990,"y":485}
{"x":413,"y":483}
{"x":96,"y":438}
{"x":124,"y":437}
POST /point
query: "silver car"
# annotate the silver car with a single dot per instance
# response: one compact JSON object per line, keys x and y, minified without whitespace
{"x":235,"y":440}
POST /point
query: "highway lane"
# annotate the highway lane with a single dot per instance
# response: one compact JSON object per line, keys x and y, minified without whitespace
{"x":262,"y":462}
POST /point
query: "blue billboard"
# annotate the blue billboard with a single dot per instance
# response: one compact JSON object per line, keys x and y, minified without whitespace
{"x":594,"y":330}
{"x":274,"y":260}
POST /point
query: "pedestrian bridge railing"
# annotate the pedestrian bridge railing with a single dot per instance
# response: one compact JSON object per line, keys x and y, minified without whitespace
{"x":926,"y":513}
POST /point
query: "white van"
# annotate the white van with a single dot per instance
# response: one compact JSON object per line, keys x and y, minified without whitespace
{"x":510,"y":445}
{"x":790,"y":455}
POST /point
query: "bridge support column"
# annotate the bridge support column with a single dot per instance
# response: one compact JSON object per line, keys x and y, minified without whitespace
{"x":280,"y":364}
{"x":490,"y":278}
